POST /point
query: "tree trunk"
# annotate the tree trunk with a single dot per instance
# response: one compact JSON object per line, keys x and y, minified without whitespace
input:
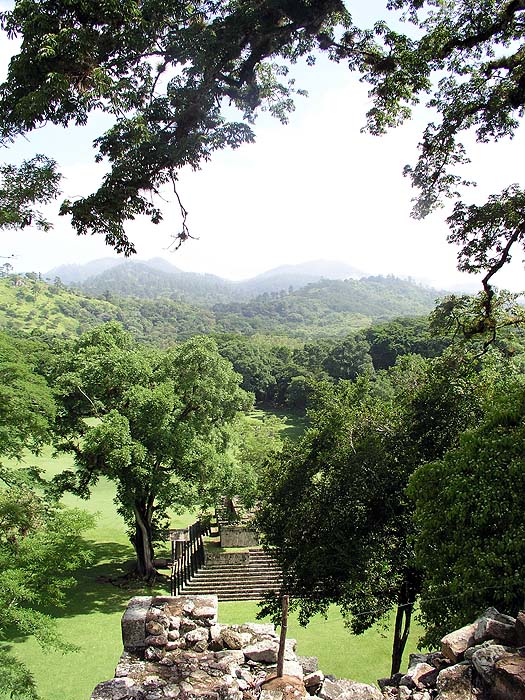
{"x":143,"y":543}
{"x":401,"y":632}
{"x":405,"y":607}
{"x":282,"y":640}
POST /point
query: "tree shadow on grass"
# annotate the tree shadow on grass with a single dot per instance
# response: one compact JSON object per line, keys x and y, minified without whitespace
{"x":104,"y":587}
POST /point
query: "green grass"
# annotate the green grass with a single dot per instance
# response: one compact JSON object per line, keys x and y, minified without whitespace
{"x":93,"y":610}
{"x":91,"y":617}
{"x":294,"y":423}
{"x":363,"y":658}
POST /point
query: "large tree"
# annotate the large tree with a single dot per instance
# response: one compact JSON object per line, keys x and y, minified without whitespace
{"x":335,"y":512}
{"x":470,"y":519}
{"x":41,"y":543}
{"x":160,"y":432}
{"x":168,"y":71}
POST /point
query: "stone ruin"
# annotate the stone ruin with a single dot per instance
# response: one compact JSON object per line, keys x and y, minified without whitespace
{"x":175,"y":648}
{"x":481,"y":661}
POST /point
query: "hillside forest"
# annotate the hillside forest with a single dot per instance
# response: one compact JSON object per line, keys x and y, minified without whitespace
{"x":372,"y":509}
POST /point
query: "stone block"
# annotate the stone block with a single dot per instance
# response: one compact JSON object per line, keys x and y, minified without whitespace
{"x":330,"y":690}
{"x":415,"y":659}
{"x":520,"y":629}
{"x":158,"y":640}
{"x":509,"y":678}
{"x":455,"y":644}
{"x":313,"y":679}
{"x":291,"y":687}
{"x":231,"y":639}
{"x":238,"y":536}
{"x":134,"y":623}
{"x":293,"y":668}
{"x":265,"y":651}
{"x":455,"y":683}
{"x":412,"y":677}
{"x":258,"y":628}
{"x":310,"y":664}
{"x":154,"y":628}
{"x":485,"y":658}
{"x":501,"y":632}
{"x":361,"y":691}
{"x":117,"y":689}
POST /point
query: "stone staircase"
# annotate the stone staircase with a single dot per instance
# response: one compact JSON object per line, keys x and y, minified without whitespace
{"x":237,"y":581}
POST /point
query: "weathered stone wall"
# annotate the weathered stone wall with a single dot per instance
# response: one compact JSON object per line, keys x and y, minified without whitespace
{"x":175,"y":648}
{"x":238,"y":536}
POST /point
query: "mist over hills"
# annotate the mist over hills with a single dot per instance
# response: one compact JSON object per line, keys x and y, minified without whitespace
{"x":160,"y":304}
{"x":158,"y":277}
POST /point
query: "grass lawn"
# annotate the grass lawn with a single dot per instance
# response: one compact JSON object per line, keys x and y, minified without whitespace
{"x":294,"y":423}
{"x":91,"y":617}
{"x":363,"y":658}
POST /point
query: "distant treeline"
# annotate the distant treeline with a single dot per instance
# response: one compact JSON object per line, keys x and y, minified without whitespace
{"x":325,"y":309}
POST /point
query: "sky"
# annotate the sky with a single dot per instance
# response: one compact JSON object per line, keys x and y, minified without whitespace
{"x":317,"y":188}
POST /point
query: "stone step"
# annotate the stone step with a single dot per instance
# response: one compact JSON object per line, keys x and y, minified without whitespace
{"x":237,"y":583}
{"x":249,"y":581}
{"x":228,"y":576}
{"x":207,"y":576}
{"x":252,"y":592}
{"x":241,"y":569}
{"x":231,"y":584}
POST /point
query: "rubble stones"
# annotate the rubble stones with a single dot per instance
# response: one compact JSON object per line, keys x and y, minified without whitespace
{"x":455,"y":683}
{"x":330,"y":690}
{"x":489,"y":628}
{"x":293,"y":668}
{"x":509,"y":678}
{"x":454,"y":645}
{"x":491,"y":625}
{"x":412,"y":678}
{"x":485,"y":658}
{"x":232,"y":639}
{"x":313,"y":679}
{"x":310,"y":664}
{"x":264,"y":651}
{"x":174,"y":648}
{"x":361,"y":691}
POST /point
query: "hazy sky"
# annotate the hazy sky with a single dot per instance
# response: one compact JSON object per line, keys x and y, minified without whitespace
{"x":316,"y":188}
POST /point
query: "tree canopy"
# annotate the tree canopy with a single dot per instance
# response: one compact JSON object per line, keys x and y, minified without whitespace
{"x":166,"y":72}
{"x":160,"y":433}
{"x":335,"y":512}
{"x":182,"y":80}
{"x":469,"y":519}
{"x":41,"y":546}
{"x":27,"y":408}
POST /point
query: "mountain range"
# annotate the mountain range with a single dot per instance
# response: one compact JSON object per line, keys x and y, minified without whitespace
{"x":158,"y":277}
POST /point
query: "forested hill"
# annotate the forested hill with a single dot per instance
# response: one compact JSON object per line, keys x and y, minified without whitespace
{"x":329,"y":308}
{"x":159,"y":278}
{"x":145,"y":281}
